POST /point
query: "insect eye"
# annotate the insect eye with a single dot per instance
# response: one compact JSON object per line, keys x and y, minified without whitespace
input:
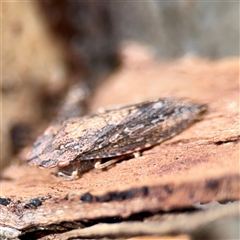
{"x":62,"y":163}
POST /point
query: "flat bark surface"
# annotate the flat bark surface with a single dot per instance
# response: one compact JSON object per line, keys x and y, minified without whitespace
{"x":200,"y":165}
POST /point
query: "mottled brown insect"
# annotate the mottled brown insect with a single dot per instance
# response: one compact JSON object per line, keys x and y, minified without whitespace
{"x":79,"y":144}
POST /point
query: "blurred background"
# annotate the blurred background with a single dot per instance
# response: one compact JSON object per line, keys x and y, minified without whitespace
{"x":176,"y":28}
{"x":56,"y":53}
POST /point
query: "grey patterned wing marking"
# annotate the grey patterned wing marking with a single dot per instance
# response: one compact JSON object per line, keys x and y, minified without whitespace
{"x":113,"y":133}
{"x":145,"y":125}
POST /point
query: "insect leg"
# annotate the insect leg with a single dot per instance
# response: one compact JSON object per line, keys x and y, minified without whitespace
{"x":74,"y":175}
{"x":137,"y":154}
{"x":99,"y":165}
{"x":70,"y":172}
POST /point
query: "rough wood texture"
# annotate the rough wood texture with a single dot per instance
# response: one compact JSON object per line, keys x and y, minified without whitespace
{"x":180,"y":223}
{"x":199,"y":165}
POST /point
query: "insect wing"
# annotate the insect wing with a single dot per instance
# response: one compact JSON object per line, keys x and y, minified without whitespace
{"x":113,"y":133}
{"x":140,"y":126}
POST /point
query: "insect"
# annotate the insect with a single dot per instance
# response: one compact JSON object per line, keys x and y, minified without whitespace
{"x":79,"y":144}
